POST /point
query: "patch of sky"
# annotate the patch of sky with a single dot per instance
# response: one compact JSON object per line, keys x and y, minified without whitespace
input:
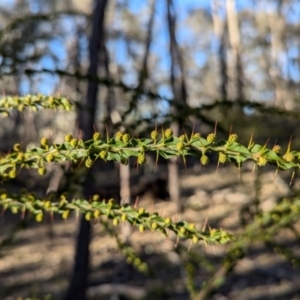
{"x":200,"y":59}
{"x":24,"y":86}
{"x":57,"y":48}
{"x":135,"y":6}
{"x":249,"y":111}
{"x":120,"y":55}
{"x":242,"y":4}
{"x":293,"y":55}
{"x":7,"y":4}
{"x":164,"y":105}
{"x":119,"y":49}
{"x":183,"y":7}
{"x":35,"y":7}
{"x":292,"y":13}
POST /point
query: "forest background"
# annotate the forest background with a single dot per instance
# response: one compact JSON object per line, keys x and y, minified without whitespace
{"x":194,"y":66}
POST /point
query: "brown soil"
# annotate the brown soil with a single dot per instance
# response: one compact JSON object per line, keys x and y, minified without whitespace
{"x":39,"y":259}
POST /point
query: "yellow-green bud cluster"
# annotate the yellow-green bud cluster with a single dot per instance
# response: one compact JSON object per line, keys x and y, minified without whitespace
{"x":125,"y":137}
{"x":154,"y":225}
{"x":96,"y":197}
{"x":103,"y":154}
{"x":211,"y":137}
{"x":74,"y":142}
{"x":182,"y":138}
{"x":136,"y":262}
{"x":35,"y":101}
{"x":12,"y":173}
{"x":42,"y":171}
{"x":168,"y":133}
{"x":154,"y":135}
{"x":182,"y":230}
{"x":20,"y":107}
{"x":141,"y":211}
{"x":44,"y":143}
{"x":20,"y":156}
{"x":111,"y":201}
{"x":88,"y":163}
{"x":204,"y":160}
{"x":14,"y":210}
{"x":288,"y":157}
{"x":191,"y":226}
{"x":116,"y":221}
{"x":222,"y":158}
{"x":262,"y":161}
{"x":232,"y":138}
{"x":167,"y":221}
{"x":195,"y":239}
{"x":65,"y":214}
{"x":68,"y":137}
{"x":39,"y":217}
{"x":96,"y":136}
{"x":50,"y":157}
{"x":88,"y":216}
{"x":97,"y":213}
{"x":117,"y":213}
{"x":3,"y":195}
{"x":180,"y":146}
{"x":119,"y":135}
{"x":17,"y":147}
{"x":141,"y":158}
{"x":276,"y":149}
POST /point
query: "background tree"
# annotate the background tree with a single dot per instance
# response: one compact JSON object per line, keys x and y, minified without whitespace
{"x":154,"y":64}
{"x":77,"y":288}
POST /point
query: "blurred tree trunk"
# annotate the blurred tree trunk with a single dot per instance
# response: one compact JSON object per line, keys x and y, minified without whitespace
{"x":235,"y":43}
{"x":220,"y":33}
{"x":277,"y":25}
{"x":144,"y":72}
{"x":112,"y":115}
{"x":125,"y":196}
{"x":78,"y":283}
{"x":143,"y":75}
{"x":76,"y":59}
{"x":177,"y":80}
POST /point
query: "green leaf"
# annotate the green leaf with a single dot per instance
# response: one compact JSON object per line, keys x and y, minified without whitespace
{"x":168,"y":153}
{"x":199,"y":142}
{"x":286,"y":165}
{"x":37,"y":150}
{"x":62,"y":146}
{"x":163,"y":230}
{"x":120,"y":144}
{"x":238,"y":148}
{"x":271,"y":155}
{"x":128,"y":153}
{"x":113,"y":156}
{"x":4,"y":167}
{"x":237,"y":158}
{"x":136,"y":142}
{"x":81,"y":153}
{"x":256,"y":148}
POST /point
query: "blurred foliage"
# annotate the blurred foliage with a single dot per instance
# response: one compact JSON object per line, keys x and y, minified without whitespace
{"x":120,"y":148}
{"x":28,"y":39}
